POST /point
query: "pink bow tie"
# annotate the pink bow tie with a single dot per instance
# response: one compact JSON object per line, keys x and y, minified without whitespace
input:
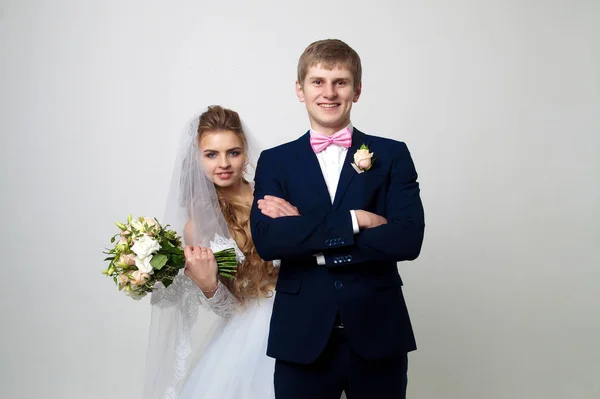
{"x":319,"y":142}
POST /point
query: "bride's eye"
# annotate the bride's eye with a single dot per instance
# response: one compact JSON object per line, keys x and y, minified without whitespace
{"x":210,"y":155}
{"x":234,"y":153}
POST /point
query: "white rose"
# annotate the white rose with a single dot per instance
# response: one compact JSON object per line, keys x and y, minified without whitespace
{"x":363,"y":159}
{"x":143,"y":264}
{"x":145,"y":246}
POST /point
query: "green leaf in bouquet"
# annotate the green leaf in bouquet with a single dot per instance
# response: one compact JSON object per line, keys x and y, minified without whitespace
{"x":109,"y":258}
{"x":158,"y":261}
{"x":121,"y":226}
{"x":167,"y":282}
{"x":112,"y":240}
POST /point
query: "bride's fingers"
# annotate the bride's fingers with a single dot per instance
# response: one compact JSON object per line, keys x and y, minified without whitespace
{"x":187,"y":252}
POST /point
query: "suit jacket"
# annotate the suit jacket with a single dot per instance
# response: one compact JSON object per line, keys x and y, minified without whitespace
{"x":360,"y":280}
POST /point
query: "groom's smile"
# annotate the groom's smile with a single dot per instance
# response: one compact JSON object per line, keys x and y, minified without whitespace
{"x":328,"y":95}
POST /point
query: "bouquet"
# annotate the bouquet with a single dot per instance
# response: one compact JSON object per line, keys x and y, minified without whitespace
{"x":147,"y":253}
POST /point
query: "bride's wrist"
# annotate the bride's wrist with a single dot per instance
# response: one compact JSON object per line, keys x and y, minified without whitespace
{"x":209,"y":288}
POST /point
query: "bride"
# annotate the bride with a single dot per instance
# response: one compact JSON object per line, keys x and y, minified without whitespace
{"x":209,"y":334}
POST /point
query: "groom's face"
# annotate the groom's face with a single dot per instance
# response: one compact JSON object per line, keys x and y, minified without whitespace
{"x":328,"y":96}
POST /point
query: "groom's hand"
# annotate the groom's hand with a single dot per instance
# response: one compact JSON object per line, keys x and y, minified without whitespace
{"x":368,"y":220}
{"x":275,"y":207}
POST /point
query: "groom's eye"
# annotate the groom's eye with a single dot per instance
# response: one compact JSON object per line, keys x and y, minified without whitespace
{"x":317,"y":82}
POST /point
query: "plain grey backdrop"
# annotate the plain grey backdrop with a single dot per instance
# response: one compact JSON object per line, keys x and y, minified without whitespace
{"x":498,"y":102}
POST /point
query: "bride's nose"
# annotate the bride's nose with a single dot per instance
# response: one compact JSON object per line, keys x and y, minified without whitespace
{"x":224,"y":162}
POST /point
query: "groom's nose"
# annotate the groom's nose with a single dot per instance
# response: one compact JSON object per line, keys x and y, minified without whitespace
{"x":329,"y":91}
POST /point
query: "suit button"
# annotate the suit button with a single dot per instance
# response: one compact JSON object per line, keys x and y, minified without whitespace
{"x":342,"y":241}
{"x":338,"y":284}
{"x":349,"y":258}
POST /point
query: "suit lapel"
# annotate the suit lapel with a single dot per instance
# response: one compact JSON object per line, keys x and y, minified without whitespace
{"x":311,"y":168}
{"x":348,"y":172}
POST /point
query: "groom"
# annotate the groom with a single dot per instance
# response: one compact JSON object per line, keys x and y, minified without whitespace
{"x":339,"y":320}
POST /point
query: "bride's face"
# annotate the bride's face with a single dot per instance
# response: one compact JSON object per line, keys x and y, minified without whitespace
{"x":222,"y":156}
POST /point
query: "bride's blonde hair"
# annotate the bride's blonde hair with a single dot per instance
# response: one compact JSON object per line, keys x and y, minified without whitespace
{"x":255,"y":277}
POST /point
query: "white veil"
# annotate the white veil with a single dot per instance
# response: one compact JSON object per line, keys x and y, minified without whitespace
{"x":180,"y":326}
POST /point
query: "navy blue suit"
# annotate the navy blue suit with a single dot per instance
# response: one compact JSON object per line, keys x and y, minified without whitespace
{"x":359,"y":283}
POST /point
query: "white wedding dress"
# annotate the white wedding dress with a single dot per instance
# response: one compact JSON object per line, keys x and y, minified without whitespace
{"x":235,"y":364}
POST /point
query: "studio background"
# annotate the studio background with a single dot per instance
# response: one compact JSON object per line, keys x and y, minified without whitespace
{"x":498,"y":101}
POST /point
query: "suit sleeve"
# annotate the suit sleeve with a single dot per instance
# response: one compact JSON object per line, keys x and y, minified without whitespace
{"x":401,"y":238}
{"x":293,"y":236}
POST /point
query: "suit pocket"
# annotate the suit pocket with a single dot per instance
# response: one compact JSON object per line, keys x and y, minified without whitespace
{"x":288,"y":286}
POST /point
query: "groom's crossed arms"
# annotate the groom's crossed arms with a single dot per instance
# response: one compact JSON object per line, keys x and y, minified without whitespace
{"x":332,"y":233}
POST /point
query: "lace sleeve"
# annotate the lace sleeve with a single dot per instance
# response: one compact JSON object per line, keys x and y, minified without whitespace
{"x":223,"y":302}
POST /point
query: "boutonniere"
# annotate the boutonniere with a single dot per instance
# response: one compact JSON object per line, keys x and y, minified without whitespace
{"x":363,"y":159}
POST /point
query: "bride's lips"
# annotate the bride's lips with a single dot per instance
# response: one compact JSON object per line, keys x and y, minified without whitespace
{"x":224,"y":175}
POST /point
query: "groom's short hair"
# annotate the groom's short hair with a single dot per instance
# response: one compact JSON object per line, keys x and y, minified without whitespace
{"x":330,"y":54}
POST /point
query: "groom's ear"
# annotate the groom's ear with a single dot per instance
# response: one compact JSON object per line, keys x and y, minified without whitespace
{"x":357,"y":92}
{"x":299,"y":92}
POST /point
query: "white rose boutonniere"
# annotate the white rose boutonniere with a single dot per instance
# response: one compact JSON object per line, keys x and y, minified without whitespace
{"x":363,"y":159}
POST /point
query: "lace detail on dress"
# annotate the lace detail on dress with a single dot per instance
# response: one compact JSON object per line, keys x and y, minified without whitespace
{"x":223,"y":302}
{"x":186,"y":295}
{"x":168,"y":296}
{"x":220,"y":243}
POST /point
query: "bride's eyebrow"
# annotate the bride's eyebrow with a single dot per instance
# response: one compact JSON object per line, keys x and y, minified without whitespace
{"x":231,"y":149}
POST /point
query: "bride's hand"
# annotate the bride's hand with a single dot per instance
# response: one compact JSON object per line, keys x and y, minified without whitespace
{"x":276,"y":207}
{"x":201,"y":267}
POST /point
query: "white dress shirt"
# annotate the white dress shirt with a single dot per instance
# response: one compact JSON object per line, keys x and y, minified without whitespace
{"x":331,"y":160}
